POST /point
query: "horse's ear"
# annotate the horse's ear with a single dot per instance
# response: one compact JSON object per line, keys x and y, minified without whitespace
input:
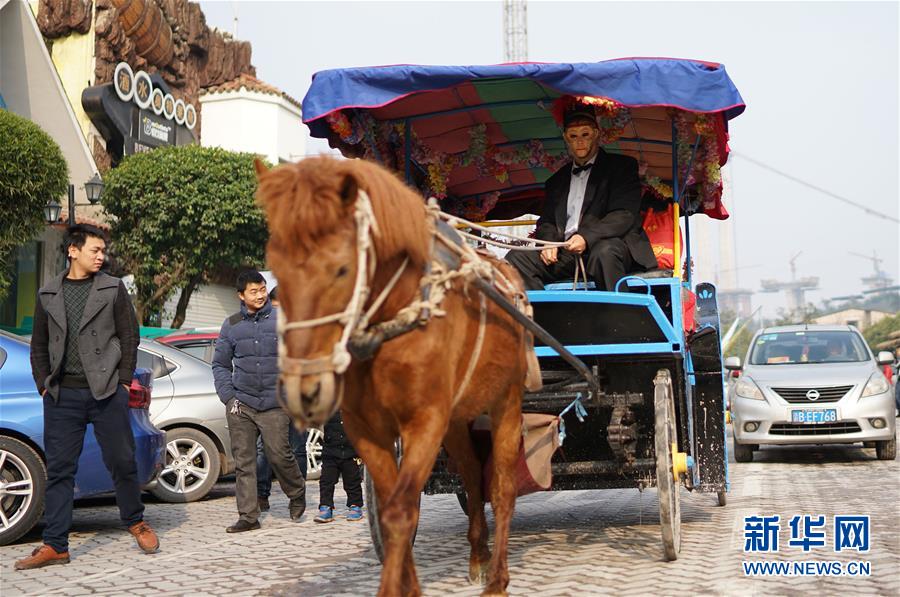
{"x":349,"y":189}
{"x":260,"y":167}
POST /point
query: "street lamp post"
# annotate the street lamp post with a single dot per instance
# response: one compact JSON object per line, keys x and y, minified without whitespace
{"x":71,"y":204}
{"x":52,"y":211}
{"x":92,"y":188}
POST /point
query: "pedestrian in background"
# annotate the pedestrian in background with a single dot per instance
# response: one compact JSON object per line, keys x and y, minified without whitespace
{"x":295,"y":438}
{"x":245,"y":368}
{"x":339,"y":459}
{"x":83,"y":353}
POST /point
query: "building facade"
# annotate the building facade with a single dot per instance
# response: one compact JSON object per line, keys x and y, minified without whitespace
{"x":31,"y":87}
{"x":106,"y":79}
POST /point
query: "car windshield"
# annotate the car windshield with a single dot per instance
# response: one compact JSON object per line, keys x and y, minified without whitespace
{"x":791,"y":348}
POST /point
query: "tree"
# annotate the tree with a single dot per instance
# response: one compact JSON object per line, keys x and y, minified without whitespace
{"x":180,"y":214}
{"x":32,"y":171}
{"x":881,"y":332}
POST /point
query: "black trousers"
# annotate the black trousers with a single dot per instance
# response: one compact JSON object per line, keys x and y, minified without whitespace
{"x":607,"y":262}
{"x":247,"y":425}
{"x":65,"y":423}
{"x":347,"y":468}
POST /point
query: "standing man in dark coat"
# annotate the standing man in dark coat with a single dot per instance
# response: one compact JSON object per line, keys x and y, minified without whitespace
{"x":593,"y":204}
{"x":245,"y":368}
{"x":83,"y":353}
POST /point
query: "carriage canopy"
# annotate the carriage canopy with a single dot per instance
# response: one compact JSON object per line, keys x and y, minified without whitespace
{"x":484,"y":139}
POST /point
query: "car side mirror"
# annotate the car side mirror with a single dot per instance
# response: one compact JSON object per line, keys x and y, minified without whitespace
{"x":884,"y":358}
{"x":733,"y":364}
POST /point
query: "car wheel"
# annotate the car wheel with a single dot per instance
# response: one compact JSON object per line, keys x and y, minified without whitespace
{"x":314,"y":453}
{"x":23,"y":478}
{"x":192,"y":466}
{"x":743,"y":453}
{"x":886,"y":450}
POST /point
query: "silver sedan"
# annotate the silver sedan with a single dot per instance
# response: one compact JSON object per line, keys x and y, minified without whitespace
{"x":811,"y":384}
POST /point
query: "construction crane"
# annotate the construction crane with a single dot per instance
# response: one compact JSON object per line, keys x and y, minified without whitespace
{"x":878,"y":280}
{"x":795,"y":289}
{"x":515,"y":31}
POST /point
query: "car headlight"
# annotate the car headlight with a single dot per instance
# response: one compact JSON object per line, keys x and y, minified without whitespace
{"x":878,"y":384}
{"x":746,"y":388}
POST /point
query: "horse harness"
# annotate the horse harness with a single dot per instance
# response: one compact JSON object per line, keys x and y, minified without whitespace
{"x":451,"y":258}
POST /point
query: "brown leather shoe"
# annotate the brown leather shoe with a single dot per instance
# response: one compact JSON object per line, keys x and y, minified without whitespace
{"x":42,"y":556}
{"x":145,"y":537}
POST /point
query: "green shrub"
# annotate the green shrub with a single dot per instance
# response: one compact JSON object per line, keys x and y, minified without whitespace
{"x":181,"y":213}
{"x":32,"y":172}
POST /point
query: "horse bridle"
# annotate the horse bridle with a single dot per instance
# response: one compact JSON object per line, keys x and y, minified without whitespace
{"x":352,"y":318}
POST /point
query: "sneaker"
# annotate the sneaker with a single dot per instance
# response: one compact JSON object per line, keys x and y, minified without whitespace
{"x":263,"y":503}
{"x":145,"y":537}
{"x":355,"y":513}
{"x":42,"y":556}
{"x":325,"y":514}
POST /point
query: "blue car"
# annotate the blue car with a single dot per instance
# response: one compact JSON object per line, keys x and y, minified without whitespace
{"x":23,"y":473}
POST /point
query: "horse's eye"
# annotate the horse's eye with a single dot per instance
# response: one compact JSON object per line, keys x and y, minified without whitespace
{"x":341,"y":272}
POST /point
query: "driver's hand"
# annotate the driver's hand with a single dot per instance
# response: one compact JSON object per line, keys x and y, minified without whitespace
{"x":549,"y":255}
{"x":576,"y":244}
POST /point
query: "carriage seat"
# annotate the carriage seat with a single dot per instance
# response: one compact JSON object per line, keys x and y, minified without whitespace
{"x":653,"y":273}
{"x":647,"y":275}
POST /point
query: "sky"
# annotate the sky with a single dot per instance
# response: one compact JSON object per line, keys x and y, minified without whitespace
{"x":820,"y":80}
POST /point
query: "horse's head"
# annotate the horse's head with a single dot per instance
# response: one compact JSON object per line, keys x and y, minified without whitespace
{"x":312,"y":251}
{"x":325,"y":233}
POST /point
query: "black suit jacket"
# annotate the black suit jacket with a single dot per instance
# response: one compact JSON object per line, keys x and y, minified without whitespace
{"x":611,"y":207}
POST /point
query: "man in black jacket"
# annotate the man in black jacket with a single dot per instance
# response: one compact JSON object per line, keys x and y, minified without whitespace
{"x":592,"y":204}
{"x":245,"y":369}
{"x":83,"y":353}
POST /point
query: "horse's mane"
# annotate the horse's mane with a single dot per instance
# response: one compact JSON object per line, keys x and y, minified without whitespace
{"x":315,"y":197}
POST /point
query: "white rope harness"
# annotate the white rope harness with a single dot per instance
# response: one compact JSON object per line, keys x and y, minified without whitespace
{"x":438,"y":281}
{"x":535,"y":244}
{"x":366,"y":226}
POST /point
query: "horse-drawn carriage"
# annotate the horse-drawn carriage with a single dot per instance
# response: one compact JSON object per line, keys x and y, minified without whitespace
{"x":638,"y":384}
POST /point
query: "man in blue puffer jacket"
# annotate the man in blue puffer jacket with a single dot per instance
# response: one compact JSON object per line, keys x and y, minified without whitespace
{"x":246,"y":371}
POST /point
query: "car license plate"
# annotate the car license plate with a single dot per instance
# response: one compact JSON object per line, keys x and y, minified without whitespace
{"x":809,"y":416}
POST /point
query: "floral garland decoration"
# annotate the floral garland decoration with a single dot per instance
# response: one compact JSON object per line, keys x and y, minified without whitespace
{"x":341,"y":124}
{"x":612,"y":117}
{"x":475,"y":209}
{"x":705,"y":172}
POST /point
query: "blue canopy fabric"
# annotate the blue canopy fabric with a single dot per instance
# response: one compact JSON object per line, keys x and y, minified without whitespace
{"x":695,"y":86}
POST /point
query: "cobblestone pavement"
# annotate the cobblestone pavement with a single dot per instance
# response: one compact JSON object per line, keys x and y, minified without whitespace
{"x":567,"y":543}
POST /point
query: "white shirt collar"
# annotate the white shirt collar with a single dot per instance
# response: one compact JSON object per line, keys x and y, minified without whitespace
{"x":590,"y":161}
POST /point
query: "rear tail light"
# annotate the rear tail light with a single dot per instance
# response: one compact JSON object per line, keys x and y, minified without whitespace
{"x":141,"y":388}
{"x":138,"y":396}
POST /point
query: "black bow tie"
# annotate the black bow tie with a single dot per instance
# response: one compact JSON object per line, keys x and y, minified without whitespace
{"x":579,"y":169}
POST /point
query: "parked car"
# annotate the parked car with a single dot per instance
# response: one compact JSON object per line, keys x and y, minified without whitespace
{"x":186,"y":407}
{"x":23,"y":471}
{"x":811,"y":384}
{"x":202,"y":345}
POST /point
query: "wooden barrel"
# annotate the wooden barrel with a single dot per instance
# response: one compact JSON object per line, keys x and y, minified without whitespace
{"x":144,"y":24}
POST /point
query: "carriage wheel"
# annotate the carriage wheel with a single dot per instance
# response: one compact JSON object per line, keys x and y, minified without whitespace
{"x":723,"y":499}
{"x":372,"y":511}
{"x":667,"y":484}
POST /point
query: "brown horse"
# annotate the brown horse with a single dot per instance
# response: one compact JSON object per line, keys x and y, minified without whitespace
{"x":462,"y":358}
